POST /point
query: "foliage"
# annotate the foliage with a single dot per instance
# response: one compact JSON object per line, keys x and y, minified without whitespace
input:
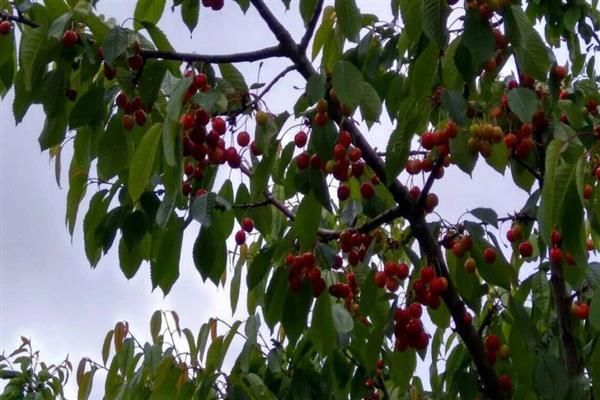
{"x":341,"y":252}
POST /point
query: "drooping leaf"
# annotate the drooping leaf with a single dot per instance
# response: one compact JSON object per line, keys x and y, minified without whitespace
{"x":347,"y":83}
{"x":143,"y":160}
{"x":349,"y":18}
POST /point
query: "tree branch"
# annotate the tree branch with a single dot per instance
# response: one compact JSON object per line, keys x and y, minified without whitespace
{"x":271,"y":84}
{"x":310,"y":28}
{"x":19,"y":19}
{"x":261,"y":54}
{"x":408,"y":209}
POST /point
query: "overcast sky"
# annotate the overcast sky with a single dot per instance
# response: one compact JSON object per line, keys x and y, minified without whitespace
{"x":48,"y":291}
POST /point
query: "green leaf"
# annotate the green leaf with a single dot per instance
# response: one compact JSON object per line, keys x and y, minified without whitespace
{"x":57,"y":27}
{"x":150,"y":81}
{"x":523,"y":102}
{"x":461,"y":155}
{"x":190,"y":11}
{"x":322,"y":140}
{"x":210,"y":251}
{"x":349,"y":18}
{"x":307,"y":10}
{"x":532,"y":56}
{"x":53,"y":132}
{"x":497,"y":273}
{"x":54,"y":82}
{"x":202,"y":208}
{"x":32,"y":42}
{"x":402,"y":367}
{"x":164,"y":269}
{"x":342,"y":320}
{"x":324,"y":32}
{"x":171,"y":126}
{"x":595,"y":310}
{"x":85,"y":387}
{"x":234,"y":289}
{"x":370,"y":103}
{"x":478,"y":38}
{"x":112,"y":149}
{"x":78,"y":175}
{"x":244,"y":5}
{"x":322,"y":328}
{"x":307,"y":221}
{"x":162,"y":43}
{"x":295,"y":311}
{"x":88,"y":108}
{"x":142,"y":161}
{"x":259,"y":267}
{"x":347,"y":83}
{"x":487,"y":215}
{"x":411,"y":17}
{"x":94,"y":216}
{"x":232,"y":75}
{"x":315,"y":88}
{"x":422,"y":73}
{"x":115,"y":44}
{"x":433,"y":16}
{"x":456,"y":105}
{"x":550,"y":377}
{"x":148,"y":11}
{"x":7,"y":64}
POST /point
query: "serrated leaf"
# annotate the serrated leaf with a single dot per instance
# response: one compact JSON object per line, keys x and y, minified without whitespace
{"x":210,"y":252}
{"x":487,"y":215}
{"x":164,"y":269}
{"x":433,"y":16}
{"x":370,"y":103}
{"x":115,"y":44}
{"x":342,"y":320}
{"x":142,"y":161}
{"x":148,"y":11}
{"x":202,"y":208}
{"x":232,"y":75}
{"x":190,"y":11}
{"x":523,"y":102}
{"x":456,"y":105}
{"x":259,"y":267}
{"x":347,"y":83}
{"x":307,"y":220}
{"x":349,"y":19}
{"x":89,"y":107}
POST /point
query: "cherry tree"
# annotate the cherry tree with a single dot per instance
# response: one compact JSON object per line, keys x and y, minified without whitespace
{"x":350,"y":272}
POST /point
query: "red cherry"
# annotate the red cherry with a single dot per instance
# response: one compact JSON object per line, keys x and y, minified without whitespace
{"x":300,"y":139}
{"x":232,"y":157}
{"x":339,"y":152}
{"x":380,"y":279}
{"x":489,"y":255}
{"x":343,"y":192}
{"x":510,"y":140}
{"x":451,"y":130}
{"x":491,"y":356}
{"x":402,"y":271}
{"x":71,"y":94}
{"x":492,"y":343}
{"x":140,"y":117}
{"x":429,"y":140}
{"x":186,"y":188}
{"x":560,"y":72}
{"x":5,"y":28}
{"x":581,"y":311}
{"x":302,"y":161}
{"x":416,"y":310}
{"x":321,"y":119}
{"x":69,"y":38}
{"x":188,"y":169}
{"x":187,"y":121}
{"x":216,"y":5}
{"x":340,"y":290}
{"x":588,"y":190}
{"x":247,"y":224}
{"x":414,"y":326}
{"x":514,"y":233}
{"x":555,"y":238}
{"x":597,"y":173}
{"x":467,"y":319}
{"x":526,"y":249}
{"x":513,"y":84}
{"x":431,"y":202}
{"x":505,"y":382}
{"x":427,"y":274}
{"x":358,"y":168}
{"x":392,"y":284}
{"x":240,"y":237}
{"x":355,"y":154}
{"x":366,"y":190}
{"x":109,"y":72}
{"x":127,"y":122}
{"x":243,"y":139}
{"x":345,"y":138}
{"x":315,"y":161}
{"x":135,"y":62}
{"x":200,"y":80}
{"x":198,"y":172}
{"x":218,"y":125}
{"x":439,"y":285}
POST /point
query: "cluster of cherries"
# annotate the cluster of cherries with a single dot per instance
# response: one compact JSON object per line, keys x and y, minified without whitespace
{"x":303,"y":266}
{"x":514,"y":235}
{"x":391,"y":276}
{"x":5,"y":27}
{"x":370,"y":382}
{"x":355,"y":244}
{"x":440,"y":140}
{"x":247,"y":226}
{"x":408,"y":328}
{"x":483,"y":136}
{"x":494,"y":349}
{"x":428,"y":287}
{"x":133,"y":111}
{"x":556,"y":253}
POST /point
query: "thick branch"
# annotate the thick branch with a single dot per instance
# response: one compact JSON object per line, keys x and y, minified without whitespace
{"x":310,"y":28}
{"x":19,"y":19}
{"x":267,"y":52}
{"x":408,"y":208}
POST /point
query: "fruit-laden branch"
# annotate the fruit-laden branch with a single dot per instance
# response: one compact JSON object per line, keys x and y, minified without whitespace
{"x":409,"y":210}
{"x":249,"y":56}
{"x":312,"y":24}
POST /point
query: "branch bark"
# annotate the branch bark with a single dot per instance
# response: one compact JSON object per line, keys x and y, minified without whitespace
{"x":261,"y":54}
{"x":408,"y":207}
{"x":310,"y":28}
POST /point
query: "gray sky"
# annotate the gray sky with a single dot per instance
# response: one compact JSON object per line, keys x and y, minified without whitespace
{"x":48,"y":291}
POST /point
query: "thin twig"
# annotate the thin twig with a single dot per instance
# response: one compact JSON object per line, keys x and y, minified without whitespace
{"x":310,"y":28}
